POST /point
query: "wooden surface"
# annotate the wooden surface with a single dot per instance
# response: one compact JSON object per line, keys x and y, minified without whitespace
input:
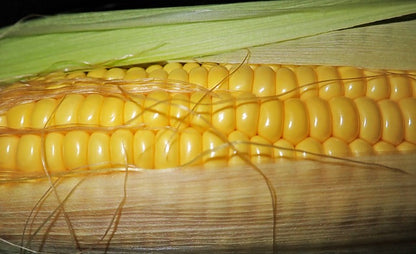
{"x":323,"y":206}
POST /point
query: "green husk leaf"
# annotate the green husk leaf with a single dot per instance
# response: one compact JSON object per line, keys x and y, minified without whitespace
{"x":67,"y":42}
{"x":155,"y":16}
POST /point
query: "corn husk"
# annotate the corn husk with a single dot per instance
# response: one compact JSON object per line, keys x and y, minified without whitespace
{"x":363,"y":205}
{"x":322,"y":207}
{"x":67,"y":42}
{"x":385,"y":46}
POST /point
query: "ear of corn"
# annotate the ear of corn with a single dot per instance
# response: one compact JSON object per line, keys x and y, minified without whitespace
{"x":208,"y":115}
{"x":144,"y":118}
{"x":265,"y":105}
{"x":81,"y":41}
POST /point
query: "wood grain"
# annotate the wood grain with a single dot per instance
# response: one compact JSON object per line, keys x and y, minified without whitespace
{"x":323,"y":206}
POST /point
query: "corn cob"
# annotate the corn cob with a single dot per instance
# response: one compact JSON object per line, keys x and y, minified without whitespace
{"x":203,"y":114}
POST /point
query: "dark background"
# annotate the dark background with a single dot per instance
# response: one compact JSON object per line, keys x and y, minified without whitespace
{"x":12,"y":11}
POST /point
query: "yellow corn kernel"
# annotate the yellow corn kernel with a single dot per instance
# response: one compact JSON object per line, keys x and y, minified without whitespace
{"x":399,"y":87}
{"x":143,"y":149}
{"x":159,"y":74}
{"x":407,"y":108}
{"x":392,"y":122}
{"x":296,"y":123}
{"x":308,"y":147}
{"x":75,"y":149}
{"x":178,"y":75}
{"x":241,"y":78}
{"x":247,"y":113}
{"x":263,"y":77}
{"x":98,"y":150}
{"x":361,"y":147}
{"x":76,"y":74}
{"x":90,"y":109}
{"x":169,"y":67}
{"x":198,"y":76}
{"x":354,"y":86}
{"x":121,"y":148}
{"x":166,"y":149}
{"x":19,"y":116}
{"x":67,"y":111}
{"x":215,"y":149}
{"x":261,"y":150}
{"x":307,"y":82}
{"x":286,"y":84}
{"x":383,"y":147}
{"x":135,"y":73}
{"x":156,"y":109}
{"x":240,"y":148}
{"x":345,"y":121}
{"x":154,"y":67}
{"x":189,"y":66}
{"x":208,"y":65}
{"x":97,"y":73}
{"x":283,"y":149}
{"x":378,"y":87}
{"x":370,"y":119}
{"x":112,"y":112}
{"x":42,"y":113}
{"x":53,"y":152}
{"x":320,"y":120}
{"x":190,"y":147}
{"x":133,"y":110}
{"x":115,"y":73}
{"x":223,"y":112}
{"x":270,"y":124}
{"x":218,"y":77}
{"x":330,"y":85}
{"x":200,"y":105}
{"x":28,"y":157}
{"x":179,"y":111}
{"x":406,"y":147}
{"x":8,"y":148}
{"x":336,"y":147}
